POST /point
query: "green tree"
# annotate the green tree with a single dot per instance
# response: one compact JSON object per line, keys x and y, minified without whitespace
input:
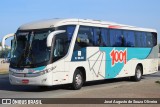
{"x":4,"y":53}
{"x":159,"y":48}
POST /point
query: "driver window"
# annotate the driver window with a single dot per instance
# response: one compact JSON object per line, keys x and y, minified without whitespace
{"x":59,"y":46}
{"x":61,"y":42}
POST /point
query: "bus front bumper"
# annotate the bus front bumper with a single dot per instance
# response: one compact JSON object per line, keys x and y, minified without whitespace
{"x":42,"y":80}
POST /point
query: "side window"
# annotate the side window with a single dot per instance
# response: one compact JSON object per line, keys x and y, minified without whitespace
{"x":70,"y":31}
{"x":139,"y":39}
{"x":62,"y":42}
{"x":68,"y":35}
{"x":145,"y":39}
{"x":105,"y":37}
{"x":129,"y":38}
{"x":154,"y":36}
{"x":84,"y":38}
{"x":149,"y":40}
{"x":60,"y":47}
{"x":101,"y":37}
{"x":116,"y":39}
{"x":97,"y":37}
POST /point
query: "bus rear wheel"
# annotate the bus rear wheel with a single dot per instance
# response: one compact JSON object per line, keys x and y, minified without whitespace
{"x":138,"y":73}
{"x":77,"y":80}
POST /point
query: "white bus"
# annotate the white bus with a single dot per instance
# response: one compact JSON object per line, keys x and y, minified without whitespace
{"x":73,"y":51}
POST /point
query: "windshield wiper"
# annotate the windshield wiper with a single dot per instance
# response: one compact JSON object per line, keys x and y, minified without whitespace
{"x":30,"y":58}
{"x":21,"y":57}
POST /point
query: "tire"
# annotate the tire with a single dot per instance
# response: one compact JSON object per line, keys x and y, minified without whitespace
{"x":138,"y":73}
{"x":78,"y":80}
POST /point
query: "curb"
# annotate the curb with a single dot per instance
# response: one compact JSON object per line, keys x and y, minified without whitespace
{"x":4,"y":73}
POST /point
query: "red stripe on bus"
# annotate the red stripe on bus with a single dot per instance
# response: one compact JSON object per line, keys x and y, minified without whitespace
{"x":114,"y":27}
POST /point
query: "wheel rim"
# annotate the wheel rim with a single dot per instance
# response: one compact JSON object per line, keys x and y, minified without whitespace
{"x":139,"y":73}
{"x":78,"y":80}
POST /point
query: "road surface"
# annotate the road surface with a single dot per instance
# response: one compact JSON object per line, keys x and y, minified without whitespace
{"x":113,"y":88}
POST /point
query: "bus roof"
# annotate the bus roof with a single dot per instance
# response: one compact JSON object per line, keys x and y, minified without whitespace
{"x":88,"y":22}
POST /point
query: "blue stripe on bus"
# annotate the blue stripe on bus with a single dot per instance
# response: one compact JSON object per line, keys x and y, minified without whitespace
{"x":39,"y":68}
{"x":113,"y":71}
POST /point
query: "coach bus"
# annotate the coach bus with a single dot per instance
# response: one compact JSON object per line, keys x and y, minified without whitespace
{"x":74,"y":51}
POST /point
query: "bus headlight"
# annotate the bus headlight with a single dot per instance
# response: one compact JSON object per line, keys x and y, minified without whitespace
{"x":42,"y":72}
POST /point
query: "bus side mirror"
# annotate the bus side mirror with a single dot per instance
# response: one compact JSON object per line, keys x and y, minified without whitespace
{"x":6,"y":37}
{"x":51,"y":35}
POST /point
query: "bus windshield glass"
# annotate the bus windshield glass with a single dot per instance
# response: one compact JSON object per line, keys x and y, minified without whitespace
{"x":30,"y":48}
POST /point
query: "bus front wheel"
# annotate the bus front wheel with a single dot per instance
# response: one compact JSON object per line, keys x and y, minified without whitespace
{"x":77,"y":80}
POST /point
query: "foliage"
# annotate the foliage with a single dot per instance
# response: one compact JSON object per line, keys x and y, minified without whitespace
{"x":159,"y":48}
{"x":4,"y":53}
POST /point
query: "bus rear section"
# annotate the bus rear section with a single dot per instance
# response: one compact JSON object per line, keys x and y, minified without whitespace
{"x":113,"y":53}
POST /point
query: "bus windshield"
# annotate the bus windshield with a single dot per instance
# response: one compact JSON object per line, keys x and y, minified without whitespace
{"x":30,"y":48}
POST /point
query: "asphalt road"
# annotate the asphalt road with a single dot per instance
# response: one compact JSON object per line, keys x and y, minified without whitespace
{"x":90,"y":89}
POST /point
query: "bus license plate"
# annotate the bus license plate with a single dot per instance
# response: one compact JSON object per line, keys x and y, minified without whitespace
{"x":25,"y":81}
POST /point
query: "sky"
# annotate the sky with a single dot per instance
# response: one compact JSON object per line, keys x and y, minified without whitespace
{"x":141,"y":13}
